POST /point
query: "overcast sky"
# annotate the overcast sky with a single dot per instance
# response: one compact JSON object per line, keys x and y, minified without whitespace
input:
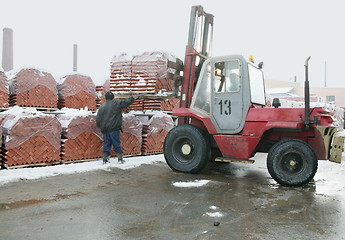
{"x":282,"y":33}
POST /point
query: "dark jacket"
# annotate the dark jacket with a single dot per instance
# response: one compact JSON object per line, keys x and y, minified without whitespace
{"x":109,"y":115}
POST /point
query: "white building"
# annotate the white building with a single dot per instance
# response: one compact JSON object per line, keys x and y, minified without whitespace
{"x":280,"y":89}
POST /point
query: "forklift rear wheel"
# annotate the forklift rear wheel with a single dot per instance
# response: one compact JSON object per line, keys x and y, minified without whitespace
{"x":187,"y":149}
{"x":292,"y":162}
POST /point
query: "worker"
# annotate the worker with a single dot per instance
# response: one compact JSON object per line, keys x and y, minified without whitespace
{"x":109,"y":120}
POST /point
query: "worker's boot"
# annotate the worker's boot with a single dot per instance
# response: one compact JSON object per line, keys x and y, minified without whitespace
{"x":105,"y":156}
{"x":120,"y":157}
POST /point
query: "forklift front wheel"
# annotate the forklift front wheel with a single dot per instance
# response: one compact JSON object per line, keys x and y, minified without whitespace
{"x":186,"y":149}
{"x":292,"y":162}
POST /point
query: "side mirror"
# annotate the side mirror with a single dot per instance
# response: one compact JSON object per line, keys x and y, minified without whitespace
{"x":261,"y":65}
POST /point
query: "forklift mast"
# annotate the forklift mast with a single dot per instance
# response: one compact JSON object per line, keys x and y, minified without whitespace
{"x":198,"y":49}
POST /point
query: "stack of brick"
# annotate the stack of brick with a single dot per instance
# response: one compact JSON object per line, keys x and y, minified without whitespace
{"x":3,"y":90}
{"x":31,"y":87}
{"x":81,"y":139}
{"x":101,"y":91}
{"x":29,"y":137}
{"x":77,"y":91}
{"x":121,"y":73}
{"x":145,"y":105}
{"x":170,"y":104}
{"x":99,"y":95}
{"x":131,"y":135}
{"x":150,"y":70}
{"x":155,"y":132}
{"x":147,"y":73}
{"x":154,"y":105}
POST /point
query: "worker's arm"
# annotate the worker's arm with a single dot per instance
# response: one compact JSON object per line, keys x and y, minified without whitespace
{"x":125,"y":103}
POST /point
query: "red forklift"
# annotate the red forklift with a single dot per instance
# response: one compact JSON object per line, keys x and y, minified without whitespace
{"x":223,"y":116}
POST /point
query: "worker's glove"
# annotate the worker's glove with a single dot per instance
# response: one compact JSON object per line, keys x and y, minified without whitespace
{"x":137,"y":97}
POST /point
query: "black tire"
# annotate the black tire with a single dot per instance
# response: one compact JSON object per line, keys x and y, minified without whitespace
{"x":187,"y":149}
{"x":292,"y":162}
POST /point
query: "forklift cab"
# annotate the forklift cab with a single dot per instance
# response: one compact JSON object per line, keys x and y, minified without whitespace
{"x":226,"y":88}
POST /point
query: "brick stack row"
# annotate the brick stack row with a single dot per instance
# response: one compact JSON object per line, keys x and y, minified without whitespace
{"x":81,"y":139}
{"x":29,"y":137}
{"x":155,"y":131}
{"x":31,"y":87}
{"x":77,"y":91}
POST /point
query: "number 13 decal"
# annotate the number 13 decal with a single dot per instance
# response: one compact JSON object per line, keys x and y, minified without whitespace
{"x":225,"y":107}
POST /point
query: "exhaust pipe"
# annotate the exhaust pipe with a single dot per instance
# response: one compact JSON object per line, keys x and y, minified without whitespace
{"x":75,"y":57}
{"x":307,"y":120}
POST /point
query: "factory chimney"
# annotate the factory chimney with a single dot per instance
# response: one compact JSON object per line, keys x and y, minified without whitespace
{"x":75,"y":57}
{"x":7,"y":49}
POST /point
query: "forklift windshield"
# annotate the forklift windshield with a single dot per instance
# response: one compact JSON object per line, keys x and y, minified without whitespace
{"x":257,"y":88}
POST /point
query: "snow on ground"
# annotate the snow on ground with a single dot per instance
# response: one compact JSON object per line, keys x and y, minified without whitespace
{"x":13,"y":175}
{"x":328,"y":179}
{"x":195,"y":183}
{"x":214,"y":214}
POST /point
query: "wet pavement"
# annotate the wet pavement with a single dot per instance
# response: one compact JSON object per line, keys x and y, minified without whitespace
{"x":144,"y":203}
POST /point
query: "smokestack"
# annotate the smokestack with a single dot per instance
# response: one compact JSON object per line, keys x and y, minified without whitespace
{"x":7,"y":49}
{"x":75,"y":57}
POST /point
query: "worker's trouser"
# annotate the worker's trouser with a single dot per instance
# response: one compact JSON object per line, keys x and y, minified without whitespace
{"x":112,"y":139}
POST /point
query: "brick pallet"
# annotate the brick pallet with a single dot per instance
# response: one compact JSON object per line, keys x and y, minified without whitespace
{"x":148,"y":73}
{"x":100,"y":96}
{"x":77,"y":91}
{"x":81,"y":139}
{"x":131,"y":135}
{"x":157,"y":105}
{"x":3,"y":90}
{"x":170,"y":104}
{"x":29,"y":137}
{"x":33,"y":88}
{"x":154,"y":133}
{"x":151,"y":70}
{"x":101,"y":91}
